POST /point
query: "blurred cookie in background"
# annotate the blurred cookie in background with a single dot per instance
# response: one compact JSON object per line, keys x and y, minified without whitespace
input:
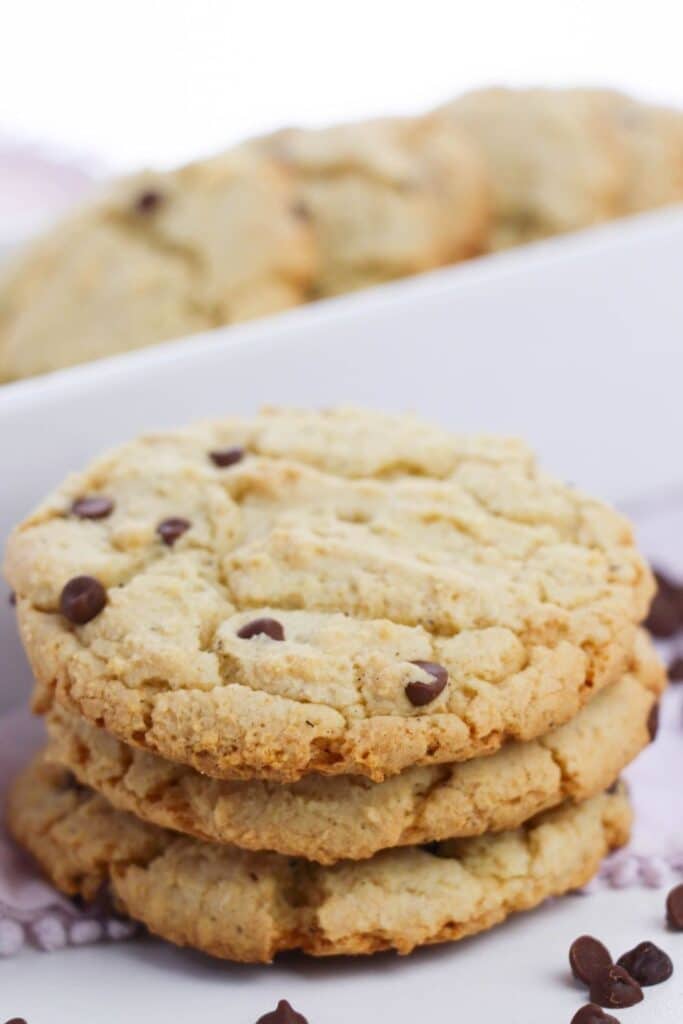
{"x":304,"y":214}
{"x":554,"y":158}
{"x":386,"y":198}
{"x":157,"y":257}
{"x":651,"y":138}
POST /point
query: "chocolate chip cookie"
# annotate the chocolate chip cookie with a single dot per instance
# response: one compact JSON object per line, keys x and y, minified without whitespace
{"x":350,"y":592}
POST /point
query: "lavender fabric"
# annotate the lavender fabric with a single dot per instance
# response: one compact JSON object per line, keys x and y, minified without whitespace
{"x":36,"y":187}
{"x":655,"y":855}
{"x":31,"y":910}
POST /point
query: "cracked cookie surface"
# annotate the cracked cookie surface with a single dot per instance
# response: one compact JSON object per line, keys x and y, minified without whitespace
{"x":437,"y":595}
{"x":160,"y":256}
{"x":327,"y":819}
{"x":250,"y":906}
{"x":386,"y":198}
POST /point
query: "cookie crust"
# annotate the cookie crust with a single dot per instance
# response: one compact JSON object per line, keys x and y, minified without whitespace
{"x":249,"y":907}
{"x":327,"y":819}
{"x":377,"y":542}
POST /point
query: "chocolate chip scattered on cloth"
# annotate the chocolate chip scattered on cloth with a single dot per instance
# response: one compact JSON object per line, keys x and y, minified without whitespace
{"x":675,"y":670}
{"x":284,"y":1013}
{"x":613,"y":987}
{"x":587,"y":957}
{"x":674,"y":908}
{"x":591,"y":1013}
{"x":665,"y":618}
{"x":647,"y":964}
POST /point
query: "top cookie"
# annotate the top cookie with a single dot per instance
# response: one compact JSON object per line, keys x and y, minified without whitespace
{"x":554,"y":156}
{"x":160,"y":256}
{"x":386,"y":198}
{"x":343,"y":591}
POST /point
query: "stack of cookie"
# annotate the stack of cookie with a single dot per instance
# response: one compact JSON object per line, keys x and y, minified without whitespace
{"x":332,"y":681}
{"x":305,"y":214}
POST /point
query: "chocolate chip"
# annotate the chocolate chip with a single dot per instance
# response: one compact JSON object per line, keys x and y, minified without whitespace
{"x":12,"y":598}
{"x":647,"y":964}
{"x":433,"y":848}
{"x":284,"y":1014}
{"x":267,"y":627}
{"x":170,"y":529}
{"x":69,"y":783}
{"x":95,"y":506}
{"x":587,"y":956}
{"x":674,"y":908}
{"x":148,"y":201}
{"x":226,"y":456}
{"x":676,"y":670}
{"x":664,"y":618}
{"x":424,"y":693}
{"x":664,"y":581}
{"x":614,"y":988}
{"x":614,"y":788}
{"x":15,"y":1020}
{"x":673,"y":590}
{"x":301,"y":210}
{"x":592,"y":1014}
{"x":82,"y":598}
{"x":653,"y":722}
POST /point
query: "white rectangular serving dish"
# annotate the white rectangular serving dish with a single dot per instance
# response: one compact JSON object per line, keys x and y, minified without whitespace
{"x":576,"y":343}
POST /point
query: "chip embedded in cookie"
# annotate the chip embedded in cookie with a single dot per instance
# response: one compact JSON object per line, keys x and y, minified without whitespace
{"x":357,"y":593}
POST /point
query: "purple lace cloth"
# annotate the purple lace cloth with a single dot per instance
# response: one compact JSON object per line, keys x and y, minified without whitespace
{"x":655,"y":854}
{"x":36,"y":187}
{"x":31,"y":910}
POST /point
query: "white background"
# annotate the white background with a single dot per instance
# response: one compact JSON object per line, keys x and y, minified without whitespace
{"x":146,"y":81}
